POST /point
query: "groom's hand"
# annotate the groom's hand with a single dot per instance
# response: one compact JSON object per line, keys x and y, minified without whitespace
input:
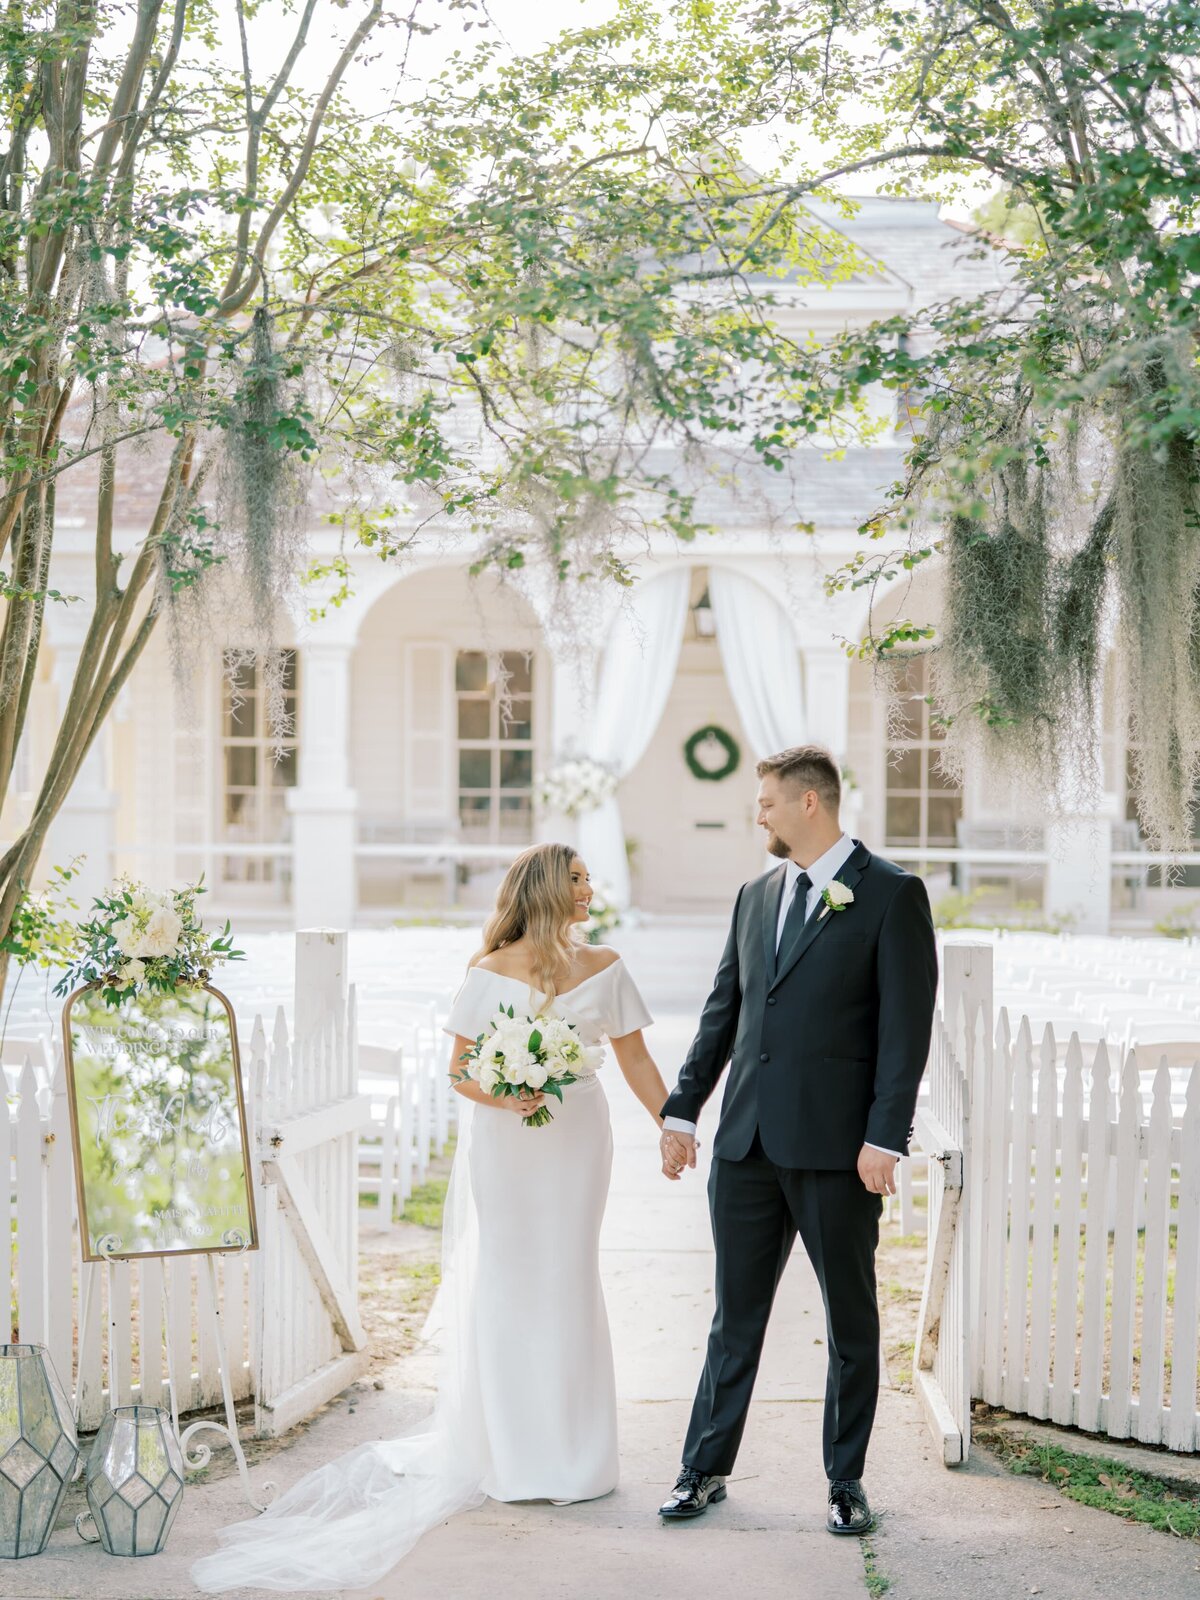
{"x":678,"y":1150}
{"x":877,"y":1170}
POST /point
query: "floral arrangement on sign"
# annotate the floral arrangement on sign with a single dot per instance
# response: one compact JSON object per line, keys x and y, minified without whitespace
{"x":519,"y":1055}
{"x":140,"y":937}
{"x":576,"y":784}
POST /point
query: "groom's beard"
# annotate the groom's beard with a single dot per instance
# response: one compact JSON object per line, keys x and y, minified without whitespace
{"x":776,"y":847}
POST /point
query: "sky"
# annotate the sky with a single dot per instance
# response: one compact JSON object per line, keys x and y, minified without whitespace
{"x":524,"y":25}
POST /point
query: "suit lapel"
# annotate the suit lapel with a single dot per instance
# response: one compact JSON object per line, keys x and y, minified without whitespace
{"x":770,"y":916}
{"x":815,"y":926}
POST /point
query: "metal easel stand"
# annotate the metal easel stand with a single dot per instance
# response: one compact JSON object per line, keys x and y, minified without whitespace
{"x":198,"y":1456}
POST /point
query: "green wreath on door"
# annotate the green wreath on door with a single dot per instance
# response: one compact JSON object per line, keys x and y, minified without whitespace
{"x":712,"y":754}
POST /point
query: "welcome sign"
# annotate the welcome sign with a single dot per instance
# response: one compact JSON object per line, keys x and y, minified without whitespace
{"x":162,"y":1160}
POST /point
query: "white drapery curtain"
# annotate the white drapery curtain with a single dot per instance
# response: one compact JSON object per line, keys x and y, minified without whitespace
{"x":640,"y":661}
{"x":761,"y":661}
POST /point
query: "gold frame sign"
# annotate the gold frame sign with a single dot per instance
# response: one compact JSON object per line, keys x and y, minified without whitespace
{"x":158,"y":1124}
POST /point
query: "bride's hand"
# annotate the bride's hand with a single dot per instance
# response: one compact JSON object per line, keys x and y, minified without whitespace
{"x":524,"y":1104}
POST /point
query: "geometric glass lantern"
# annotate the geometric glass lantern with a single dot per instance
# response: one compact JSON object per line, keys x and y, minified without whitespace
{"x":134,"y":1480}
{"x":38,"y":1450}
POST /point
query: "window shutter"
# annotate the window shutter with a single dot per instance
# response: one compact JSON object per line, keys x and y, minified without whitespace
{"x":428,"y":735}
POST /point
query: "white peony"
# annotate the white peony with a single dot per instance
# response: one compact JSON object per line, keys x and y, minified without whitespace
{"x":162,"y":933}
{"x":489,"y":1077}
{"x":516,"y":1065}
{"x":125,"y":932}
{"x":536,"y":1074}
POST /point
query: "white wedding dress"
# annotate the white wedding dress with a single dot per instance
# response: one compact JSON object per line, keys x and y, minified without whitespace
{"x":520,"y":1298}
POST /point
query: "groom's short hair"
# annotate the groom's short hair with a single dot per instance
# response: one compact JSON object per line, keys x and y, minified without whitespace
{"x":807,"y":766}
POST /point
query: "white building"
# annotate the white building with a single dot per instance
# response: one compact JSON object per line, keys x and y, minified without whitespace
{"x":406,"y":789}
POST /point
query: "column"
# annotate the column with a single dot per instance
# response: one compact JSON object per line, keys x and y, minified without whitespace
{"x":1079,"y":872}
{"x":1079,"y":843}
{"x":86,"y":821}
{"x":827,"y":710}
{"x":323,"y":806}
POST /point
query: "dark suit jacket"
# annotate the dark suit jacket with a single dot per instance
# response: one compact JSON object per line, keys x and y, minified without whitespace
{"x":827,"y":1044}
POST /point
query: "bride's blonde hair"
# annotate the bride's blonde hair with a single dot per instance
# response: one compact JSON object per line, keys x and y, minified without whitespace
{"x":536,"y":902}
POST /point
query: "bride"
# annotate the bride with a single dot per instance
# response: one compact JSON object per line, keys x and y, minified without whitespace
{"x":526,"y":1406}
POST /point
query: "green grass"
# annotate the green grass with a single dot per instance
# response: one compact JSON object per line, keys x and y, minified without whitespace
{"x":877,"y":1582}
{"x":425,"y":1204}
{"x":1100,"y":1482}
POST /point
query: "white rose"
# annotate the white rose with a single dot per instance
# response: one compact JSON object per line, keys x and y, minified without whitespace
{"x":839,"y":895}
{"x":133,"y":970}
{"x":536,"y":1074}
{"x":162,"y":933}
{"x":488,"y":1079}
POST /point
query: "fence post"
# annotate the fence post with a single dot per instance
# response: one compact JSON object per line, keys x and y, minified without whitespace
{"x":321,"y":979}
{"x":968,"y":1002}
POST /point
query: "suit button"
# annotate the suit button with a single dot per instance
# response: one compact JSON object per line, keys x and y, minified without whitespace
{"x":770,"y":999}
{"x":764,"y":1058}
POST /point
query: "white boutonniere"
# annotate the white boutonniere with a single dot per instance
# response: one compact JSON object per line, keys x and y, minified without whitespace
{"x":836,"y":897}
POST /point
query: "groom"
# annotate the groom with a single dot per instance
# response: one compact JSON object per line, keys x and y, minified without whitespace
{"x":823,"y":1006}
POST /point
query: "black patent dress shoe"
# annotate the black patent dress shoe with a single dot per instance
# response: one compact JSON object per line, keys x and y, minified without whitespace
{"x":692,"y":1495}
{"x":848,"y":1509}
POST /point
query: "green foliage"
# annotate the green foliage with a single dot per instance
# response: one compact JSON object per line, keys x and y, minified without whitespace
{"x":42,"y":932}
{"x":425,"y":1205}
{"x":1058,"y":413}
{"x":1103,"y":1483}
{"x":877,"y":1582}
{"x":1181,"y":923}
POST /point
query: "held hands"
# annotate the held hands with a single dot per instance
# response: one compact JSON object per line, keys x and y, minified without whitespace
{"x":524,"y":1104}
{"x":877,"y":1170}
{"x":678,"y":1150}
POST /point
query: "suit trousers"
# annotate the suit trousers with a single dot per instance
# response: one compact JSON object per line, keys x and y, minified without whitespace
{"x":757,"y":1210}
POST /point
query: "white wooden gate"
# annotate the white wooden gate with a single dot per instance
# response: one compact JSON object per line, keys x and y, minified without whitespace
{"x":943,"y":1361}
{"x":288,"y":1310}
{"x":1089,"y":1310}
{"x":308,"y":1116}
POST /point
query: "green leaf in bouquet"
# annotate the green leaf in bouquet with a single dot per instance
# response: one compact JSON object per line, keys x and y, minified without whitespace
{"x":552,"y":1087}
{"x":535,"y":1040}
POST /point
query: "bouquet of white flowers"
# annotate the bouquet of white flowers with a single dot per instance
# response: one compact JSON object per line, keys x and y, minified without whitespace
{"x":536,"y":1053}
{"x":139,"y":936}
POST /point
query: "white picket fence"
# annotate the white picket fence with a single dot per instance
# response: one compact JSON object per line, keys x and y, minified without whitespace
{"x":1066,"y":1280}
{"x":1091,"y":1234}
{"x":289,"y":1310}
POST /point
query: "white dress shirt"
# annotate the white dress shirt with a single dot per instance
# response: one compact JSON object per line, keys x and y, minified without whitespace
{"x":821,"y":874}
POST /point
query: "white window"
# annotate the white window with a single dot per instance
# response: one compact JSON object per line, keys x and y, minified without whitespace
{"x":923,"y":806}
{"x":253,"y":782}
{"x":494,"y":711}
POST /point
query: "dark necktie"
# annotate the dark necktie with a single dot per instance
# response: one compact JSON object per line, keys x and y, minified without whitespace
{"x":797,"y":914}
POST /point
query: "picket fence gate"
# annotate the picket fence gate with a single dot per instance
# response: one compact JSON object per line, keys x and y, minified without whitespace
{"x":1088,"y":1313}
{"x":943,"y":1129}
{"x":1063,"y":1268}
{"x":289,"y":1309}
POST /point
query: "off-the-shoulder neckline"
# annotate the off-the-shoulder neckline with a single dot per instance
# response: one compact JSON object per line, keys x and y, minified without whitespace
{"x":562,"y":993}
